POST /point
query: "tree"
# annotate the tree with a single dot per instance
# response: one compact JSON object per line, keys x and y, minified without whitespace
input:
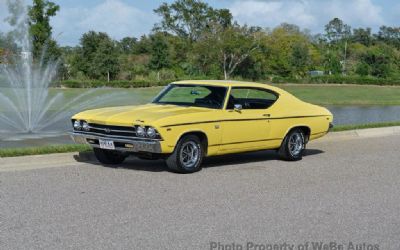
{"x":380,"y":59}
{"x":7,"y":48}
{"x":39,"y":27}
{"x":338,"y":34}
{"x":287,"y":51}
{"x":332,"y":63}
{"x":336,"y":30}
{"x":127,"y":45}
{"x":189,"y":18}
{"x":362,"y":36}
{"x":17,"y":20}
{"x":143,"y":46}
{"x":105,"y":61}
{"x":98,"y":56}
{"x":232,"y":45}
{"x":222,"y":16}
{"x":159,"y":52}
{"x":389,"y":35}
{"x":363,"y":69}
{"x":300,"y":58}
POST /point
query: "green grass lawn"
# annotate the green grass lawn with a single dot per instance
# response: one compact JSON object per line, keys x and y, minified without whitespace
{"x":317,"y":94}
{"x":345,"y":94}
{"x":103,"y":96}
{"x":43,"y":150}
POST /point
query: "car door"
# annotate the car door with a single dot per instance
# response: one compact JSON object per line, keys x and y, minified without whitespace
{"x":247,"y":126}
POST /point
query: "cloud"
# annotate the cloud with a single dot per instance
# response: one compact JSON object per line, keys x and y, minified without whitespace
{"x":115,"y":17}
{"x":307,"y":13}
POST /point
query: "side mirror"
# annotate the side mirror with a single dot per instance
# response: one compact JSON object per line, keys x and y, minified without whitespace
{"x":238,"y":107}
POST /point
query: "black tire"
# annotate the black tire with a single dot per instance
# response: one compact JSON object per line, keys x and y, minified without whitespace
{"x":293,"y":146}
{"x":176,"y":161}
{"x":109,"y":157}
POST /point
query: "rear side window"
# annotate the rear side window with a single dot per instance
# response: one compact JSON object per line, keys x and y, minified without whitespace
{"x":251,"y":98}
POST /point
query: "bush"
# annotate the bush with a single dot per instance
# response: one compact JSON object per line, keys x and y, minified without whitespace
{"x":327,"y":79}
{"x":340,"y":79}
{"x":363,"y":69}
{"x":112,"y":84}
{"x":278,"y":79}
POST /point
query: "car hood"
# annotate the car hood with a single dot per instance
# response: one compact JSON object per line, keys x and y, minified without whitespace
{"x":149,"y":114}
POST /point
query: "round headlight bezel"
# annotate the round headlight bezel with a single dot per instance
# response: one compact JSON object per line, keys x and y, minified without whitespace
{"x":77,"y":125}
{"x":141,"y":131}
{"x":85,"y":126}
{"x":151,"y":132}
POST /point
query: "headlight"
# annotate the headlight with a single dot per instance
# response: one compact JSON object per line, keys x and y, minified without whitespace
{"x":140,"y":131}
{"x":85,"y":126}
{"x":77,"y":125}
{"x":151,"y":132}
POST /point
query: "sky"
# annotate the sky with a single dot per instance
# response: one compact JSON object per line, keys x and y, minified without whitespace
{"x":121,"y":18}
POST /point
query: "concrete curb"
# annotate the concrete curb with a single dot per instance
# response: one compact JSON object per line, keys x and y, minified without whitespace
{"x":73,"y":159}
{"x":362,"y":133}
{"x":21,"y":163}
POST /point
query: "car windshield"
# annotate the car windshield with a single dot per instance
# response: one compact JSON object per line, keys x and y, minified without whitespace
{"x":193,"y":95}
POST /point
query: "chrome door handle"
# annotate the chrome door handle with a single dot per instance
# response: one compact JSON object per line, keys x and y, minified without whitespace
{"x":267,"y":115}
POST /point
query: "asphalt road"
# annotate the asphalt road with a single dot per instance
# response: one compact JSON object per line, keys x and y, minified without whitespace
{"x":343,"y":191}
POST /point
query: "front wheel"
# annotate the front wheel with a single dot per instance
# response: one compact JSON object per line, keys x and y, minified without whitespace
{"x":110,"y":157}
{"x":293,"y":146}
{"x":188,"y":155}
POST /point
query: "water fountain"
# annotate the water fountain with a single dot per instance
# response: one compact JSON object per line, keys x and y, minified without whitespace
{"x":28,"y":108}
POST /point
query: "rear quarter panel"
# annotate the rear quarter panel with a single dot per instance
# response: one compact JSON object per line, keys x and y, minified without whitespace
{"x":289,"y":112}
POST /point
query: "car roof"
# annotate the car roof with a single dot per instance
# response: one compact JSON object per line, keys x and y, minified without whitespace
{"x":229,"y":83}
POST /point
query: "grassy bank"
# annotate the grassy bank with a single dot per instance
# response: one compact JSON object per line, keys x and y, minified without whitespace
{"x":364,"y":126}
{"x":12,"y":152}
{"x":345,"y":94}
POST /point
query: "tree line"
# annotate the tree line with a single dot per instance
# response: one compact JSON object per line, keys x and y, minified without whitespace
{"x":195,"y":40}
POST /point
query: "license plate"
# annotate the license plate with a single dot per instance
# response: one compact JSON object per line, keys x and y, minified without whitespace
{"x":106,"y":144}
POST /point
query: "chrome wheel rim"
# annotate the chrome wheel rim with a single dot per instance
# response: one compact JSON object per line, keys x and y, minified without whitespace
{"x":190,"y":154}
{"x":296,"y":144}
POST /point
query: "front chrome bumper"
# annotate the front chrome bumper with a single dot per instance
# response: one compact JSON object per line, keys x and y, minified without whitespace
{"x":121,"y":143}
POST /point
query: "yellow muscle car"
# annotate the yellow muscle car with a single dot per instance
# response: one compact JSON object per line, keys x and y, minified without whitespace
{"x":190,"y":120}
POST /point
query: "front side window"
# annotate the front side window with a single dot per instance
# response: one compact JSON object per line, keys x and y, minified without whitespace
{"x":251,"y":98}
{"x":193,"y":95}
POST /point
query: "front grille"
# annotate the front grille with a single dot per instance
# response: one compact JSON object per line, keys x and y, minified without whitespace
{"x":112,"y":130}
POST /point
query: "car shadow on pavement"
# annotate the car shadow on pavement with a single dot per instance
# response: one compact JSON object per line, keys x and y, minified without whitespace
{"x":133,"y":163}
{"x":251,"y":157}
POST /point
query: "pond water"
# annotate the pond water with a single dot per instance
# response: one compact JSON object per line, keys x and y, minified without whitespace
{"x":343,"y":115}
{"x":349,"y":115}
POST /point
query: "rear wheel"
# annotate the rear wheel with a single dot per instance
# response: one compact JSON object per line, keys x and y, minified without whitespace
{"x":293,"y":146}
{"x":188,"y":155}
{"x":110,"y":157}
